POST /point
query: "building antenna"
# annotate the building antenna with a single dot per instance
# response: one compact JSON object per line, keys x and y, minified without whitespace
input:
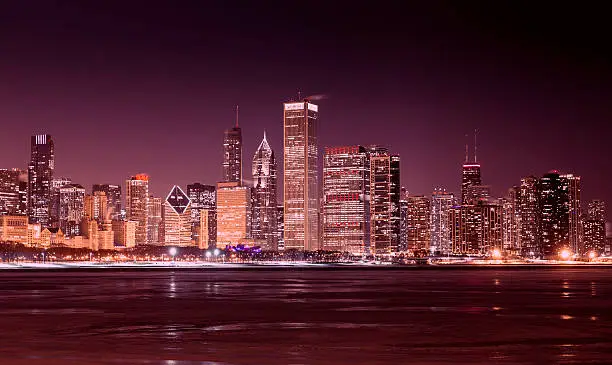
{"x":466,"y":149}
{"x":236,"y":116}
{"x":299,"y":96}
{"x":475,"y":131}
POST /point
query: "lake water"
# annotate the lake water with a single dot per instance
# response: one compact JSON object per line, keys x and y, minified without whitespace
{"x":306,"y":316}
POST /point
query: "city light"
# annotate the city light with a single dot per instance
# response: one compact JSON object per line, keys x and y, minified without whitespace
{"x":172,"y":251}
{"x":565,"y":254}
{"x":496,"y":254}
{"x":592,"y":255}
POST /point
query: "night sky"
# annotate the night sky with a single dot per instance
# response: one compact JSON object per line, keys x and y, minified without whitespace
{"x":129,"y":87}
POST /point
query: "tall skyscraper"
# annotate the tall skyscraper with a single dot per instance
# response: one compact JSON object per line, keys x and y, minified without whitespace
{"x":96,"y":206}
{"x":511,"y":223}
{"x":264,"y":225}
{"x":113,"y":197}
{"x":233,"y":213}
{"x":154,"y":220}
{"x":441,"y":203}
{"x":418,"y":226}
{"x":403,"y":241}
{"x":177,"y":218}
{"x":466,"y":229}
{"x":554,"y":218}
{"x":529,"y":217}
{"x":232,"y":153}
{"x":54,"y":210}
{"x":71,"y":209}
{"x":301,"y":196}
{"x":40,"y":175}
{"x":136,"y":205}
{"x":572,"y":183}
{"x":491,"y":236}
{"x":384,"y":201}
{"x":346,"y":200}
{"x":203,"y":198}
{"x":13,"y":192}
{"x":595,"y":228}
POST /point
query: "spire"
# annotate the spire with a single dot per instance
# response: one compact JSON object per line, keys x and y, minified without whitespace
{"x":237,"y":125}
{"x":265,"y":139}
{"x":264,"y":144}
{"x":466,"y":149}
{"x":475,"y":161}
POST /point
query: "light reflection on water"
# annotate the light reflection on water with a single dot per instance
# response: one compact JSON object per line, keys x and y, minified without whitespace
{"x":285,"y":316}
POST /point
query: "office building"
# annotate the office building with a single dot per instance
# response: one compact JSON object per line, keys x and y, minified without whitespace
{"x":441,"y":203}
{"x":124,"y":233}
{"x":418,"y":225}
{"x":346,"y":200}
{"x":113,"y":197}
{"x":595,"y":229}
{"x":96,"y":206}
{"x":203,"y":197}
{"x":177,"y":218}
{"x":40,"y":176}
{"x":13,"y":192}
{"x":511,"y":223}
{"x":554,"y":217}
{"x":233,"y":213}
{"x":264,"y":225}
{"x":71,"y":209}
{"x":572,"y":183}
{"x":384,"y":201}
{"x":14,"y":228}
{"x":300,"y":178}
{"x":529,"y":217}
{"x":232,"y":154}
{"x":136,"y":201}
{"x":155,"y":231}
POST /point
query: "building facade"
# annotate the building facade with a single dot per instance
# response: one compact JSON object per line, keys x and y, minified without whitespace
{"x":155,"y":231}
{"x":40,"y":175}
{"x":441,"y":203}
{"x":264,"y":223}
{"x":177,"y":218}
{"x":301,"y":196}
{"x":233,"y":213}
{"x":136,"y":205}
{"x":13,"y":192}
{"x":203,"y":198}
{"x":595,"y":229}
{"x":113,"y":197}
{"x":418,"y":224}
{"x":71,"y":209}
{"x":232,"y":154}
{"x":529,"y":217}
{"x":346,"y":200}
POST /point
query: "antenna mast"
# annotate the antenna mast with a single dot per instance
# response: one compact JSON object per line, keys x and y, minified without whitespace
{"x":475,"y":131}
{"x":236,"y":116}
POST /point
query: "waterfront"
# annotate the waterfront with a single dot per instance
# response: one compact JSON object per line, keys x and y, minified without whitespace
{"x":308,"y":316}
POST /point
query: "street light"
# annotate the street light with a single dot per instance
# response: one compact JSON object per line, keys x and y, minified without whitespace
{"x":592,"y":255}
{"x":496,"y":254}
{"x":565,"y":254}
{"x":172,"y":251}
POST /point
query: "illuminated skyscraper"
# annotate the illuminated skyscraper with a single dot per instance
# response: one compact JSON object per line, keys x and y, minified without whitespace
{"x":572,"y":183}
{"x":96,"y":206}
{"x":177,"y":218}
{"x":233,"y":213}
{"x":466,"y":229}
{"x":113,"y":197}
{"x":529,"y":217}
{"x":13,"y":192}
{"x":418,"y":223}
{"x":470,"y":179}
{"x":403,"y":241}
{"x":264,"y":224}
{"x":491,"y":236}
{"x":40,"y":175}
{"x":384,"y":201}
{"x":232,"y":154}
{"x":71,"y":209}
{"x":346,"y":200}
{"x":511,"y":223}
{"x":301,"y":196}
{"x":595,"y":228}
{"x":54,"y":209}
{"x":554,"y":219}
{"x":136,"y":205}
{"x":155,"y":231}
{"x":203,"y":197}
{"x":441,"y":203}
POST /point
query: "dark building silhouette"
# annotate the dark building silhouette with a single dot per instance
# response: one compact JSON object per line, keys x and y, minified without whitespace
{"x":40,"y":176}
{"x":264,"y":225}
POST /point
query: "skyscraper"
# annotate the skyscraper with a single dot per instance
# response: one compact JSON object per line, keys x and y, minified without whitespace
{"x":529,"y":217}
{"x":264,"y":224}
{"x":233,"y":213}
{"x":40,"y":175}
{"x":554,"y":218}
{"x":441,"y":203}
{"x":300,"y":183}
{"x":136,"y":204}
{"x":572,"y":183}
{"x":511,"y":223}
{"x":346,"y":200}
{"x":470,"y":178}
{"x":232,"y":153}
{"x":203,"y":198}
{"x":418,"y":227}
{"x":466,"y":229}
{"x":177,"y":218}
{"x":154,"y":220}
{"x":54,"y":210}
{"x":491,"y":236}
{"x":71,"y":209}
{"x":96,"y":206}
{"x":595,"y":228}
{"x":13,"y":192}
{"x":384,"y":201}
{"x":113,"y":197}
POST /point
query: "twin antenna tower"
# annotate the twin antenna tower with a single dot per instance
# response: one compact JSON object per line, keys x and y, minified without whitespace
{"x":467,"y":159}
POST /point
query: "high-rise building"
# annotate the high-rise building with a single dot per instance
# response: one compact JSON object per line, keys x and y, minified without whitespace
{"x":96,"y":206}
{"x":491,"y":236}
{"x":554,"y":218}
{"x":124,"y":232}
{"x":13,"y":192}
{"x":470,"y":179}
{"x":595,"y":229}
{"x":136,"y":205}
{"x":264,"y":225}
{"x":280,"y":220}
{"x":203,"y":198}
{"x":511,"y":223}
{"x":177,"y":218}
{"x":40,"y":175}
{"x":113,"y":197}
{"x":301,"y":196}
{"x":403,"y":241}
{"x":529,"y":217}
{"x":441,"y":203}
{"x":71,"y":209}
{"x":346,"y":200}
{"x":232,"y":154}
{"x":466,"y":229}
{"x":233,"y":213}
{"x":384,"y":201}
{"x":418,"y":225}
{"x":54,"y":209}
{"x":154,"y":220}
{"x":572,"y":183}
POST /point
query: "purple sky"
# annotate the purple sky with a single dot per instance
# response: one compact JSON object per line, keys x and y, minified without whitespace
{"x":129,"y":87}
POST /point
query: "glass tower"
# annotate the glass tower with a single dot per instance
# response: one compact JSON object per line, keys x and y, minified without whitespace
{"x":40,"y":175}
